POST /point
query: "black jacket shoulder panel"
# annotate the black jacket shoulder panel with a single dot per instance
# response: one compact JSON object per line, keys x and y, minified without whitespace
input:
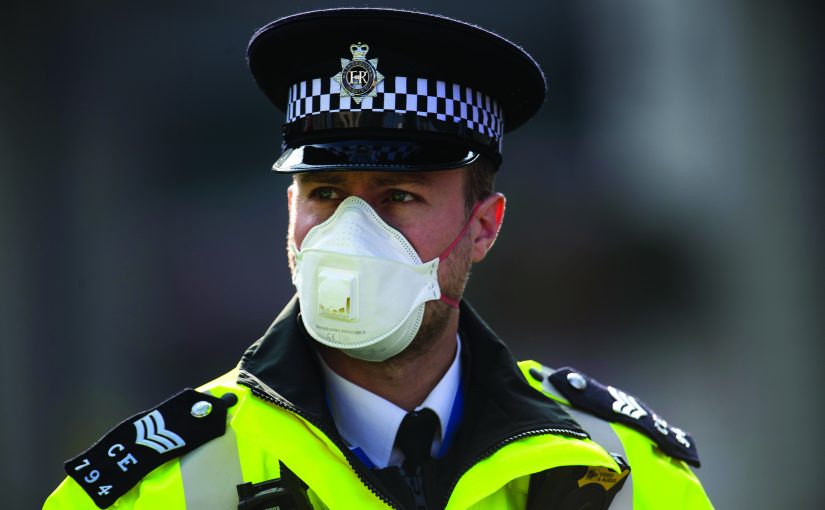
{"x":612,"y":404}
{"x":138,"y":445}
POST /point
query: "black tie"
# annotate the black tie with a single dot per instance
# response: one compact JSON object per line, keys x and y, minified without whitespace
{"x":415,"y":437}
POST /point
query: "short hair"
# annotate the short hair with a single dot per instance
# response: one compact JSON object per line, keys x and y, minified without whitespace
{"x":478,"y":181}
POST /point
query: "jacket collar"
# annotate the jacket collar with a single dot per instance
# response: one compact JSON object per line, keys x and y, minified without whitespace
{"x":284,"y":365}
{"x":284,"y":361}
{"x":499,"y":404}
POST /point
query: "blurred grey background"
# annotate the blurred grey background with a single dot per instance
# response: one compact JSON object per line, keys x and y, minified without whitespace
{"x":663,"y":230}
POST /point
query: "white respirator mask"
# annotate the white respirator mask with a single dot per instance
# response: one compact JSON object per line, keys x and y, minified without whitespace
{"x":361,"y":285}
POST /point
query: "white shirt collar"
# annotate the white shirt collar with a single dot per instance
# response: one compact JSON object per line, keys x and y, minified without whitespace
{"x":370,"y":422}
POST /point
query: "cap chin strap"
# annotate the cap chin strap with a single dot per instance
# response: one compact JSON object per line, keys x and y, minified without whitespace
{"x":453,"y":302}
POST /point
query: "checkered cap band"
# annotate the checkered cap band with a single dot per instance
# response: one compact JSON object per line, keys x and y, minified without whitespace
{"x":449,"y":102}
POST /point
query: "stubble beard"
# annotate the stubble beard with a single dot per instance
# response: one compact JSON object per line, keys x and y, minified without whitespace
{"x":437,"y":313}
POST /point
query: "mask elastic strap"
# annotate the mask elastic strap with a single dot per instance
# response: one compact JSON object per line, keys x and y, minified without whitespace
{"x":446,"y":299}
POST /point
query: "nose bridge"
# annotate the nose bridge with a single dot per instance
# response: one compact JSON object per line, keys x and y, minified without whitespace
{"x":375,"y":209}
{"x":366,"y":191}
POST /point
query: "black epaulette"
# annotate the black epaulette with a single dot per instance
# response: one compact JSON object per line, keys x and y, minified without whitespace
{"x":128,"y":452}
{"x":613,"y":404}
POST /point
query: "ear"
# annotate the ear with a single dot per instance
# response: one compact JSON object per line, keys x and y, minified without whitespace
{"x":487,"y":221}
{"x":291,"y":192}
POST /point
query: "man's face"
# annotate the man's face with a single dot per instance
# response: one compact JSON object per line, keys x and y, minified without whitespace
{"x":426,"y":207}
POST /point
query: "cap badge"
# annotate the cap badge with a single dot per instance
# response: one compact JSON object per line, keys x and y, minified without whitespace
{"x":359,"y":76}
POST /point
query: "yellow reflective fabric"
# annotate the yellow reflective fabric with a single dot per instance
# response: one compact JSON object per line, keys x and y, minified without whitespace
{"x":522,"y":458}
{"x":266,"y":433}
{"x":525,"y":367}
{"x":511,"y":496}
{"x":257,"y":465}
{"x":660,"y":481}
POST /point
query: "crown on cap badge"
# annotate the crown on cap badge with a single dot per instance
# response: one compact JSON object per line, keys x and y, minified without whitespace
{"x":359,"y":77}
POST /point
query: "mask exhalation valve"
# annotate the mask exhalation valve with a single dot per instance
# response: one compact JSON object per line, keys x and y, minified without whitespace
{"x":337,"y":294}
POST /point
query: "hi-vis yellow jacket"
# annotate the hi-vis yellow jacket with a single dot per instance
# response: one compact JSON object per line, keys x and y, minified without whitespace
{"x":519,"y":445}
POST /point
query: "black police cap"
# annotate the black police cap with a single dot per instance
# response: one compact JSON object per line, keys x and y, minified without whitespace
{"x":387,"y":89}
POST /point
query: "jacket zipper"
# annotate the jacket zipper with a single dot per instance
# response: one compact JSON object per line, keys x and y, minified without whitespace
{"x":262,"y":394}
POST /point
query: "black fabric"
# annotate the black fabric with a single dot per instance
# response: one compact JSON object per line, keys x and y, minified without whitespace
{"x":285,"y":493}
{"x":558,"y":489}
{"x":415,"y":437}
{"x":400,"y":486}
{"x":576,"y":487}
{"x":499,"y":404}
{"x":285,"y":362}
{"x":143,"y":442}
{"x":612,"y":404}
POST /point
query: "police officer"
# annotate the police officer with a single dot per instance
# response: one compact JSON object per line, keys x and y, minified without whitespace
{"x":377,"y":386}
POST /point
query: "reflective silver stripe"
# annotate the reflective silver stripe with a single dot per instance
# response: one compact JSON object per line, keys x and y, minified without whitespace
{"x":602,"y":433}
{"x":211,"y":473}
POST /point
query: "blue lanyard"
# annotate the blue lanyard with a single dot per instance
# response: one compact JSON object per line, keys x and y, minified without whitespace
{"x":456,"y":413}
